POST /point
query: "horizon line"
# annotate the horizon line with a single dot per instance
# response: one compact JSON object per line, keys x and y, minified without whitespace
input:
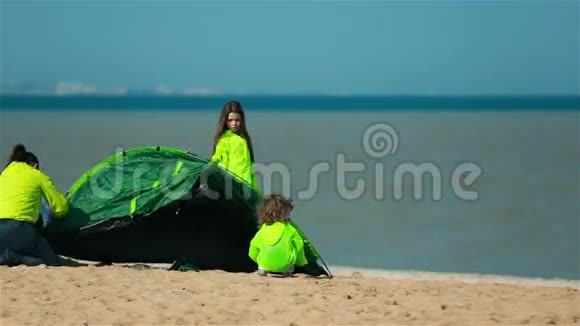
{"x":295,"y":94}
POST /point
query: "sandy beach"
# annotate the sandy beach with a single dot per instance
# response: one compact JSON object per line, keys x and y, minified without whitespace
{"x":117,"y":295}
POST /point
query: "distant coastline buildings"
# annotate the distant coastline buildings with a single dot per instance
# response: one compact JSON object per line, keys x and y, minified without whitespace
{"x":66,"y":88}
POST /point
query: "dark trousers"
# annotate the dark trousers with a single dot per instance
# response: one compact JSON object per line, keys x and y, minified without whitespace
{"x":21,"y":243}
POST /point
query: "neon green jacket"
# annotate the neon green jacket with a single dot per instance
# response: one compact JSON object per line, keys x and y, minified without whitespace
{"x":232,"y":153}
{"x":277,"y":247}
{"x":21,"y":191}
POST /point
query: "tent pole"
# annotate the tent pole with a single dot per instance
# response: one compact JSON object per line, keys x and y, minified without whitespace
{"x":327,"y":269}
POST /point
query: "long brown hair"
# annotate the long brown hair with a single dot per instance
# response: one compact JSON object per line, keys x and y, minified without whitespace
{"x":222,"y":125}
{"x":275,"y":208}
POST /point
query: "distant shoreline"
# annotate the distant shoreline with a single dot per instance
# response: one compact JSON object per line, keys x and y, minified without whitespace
{"x":290,"y":102}
{"x":458,"y":277}
{"x":471,"y":278}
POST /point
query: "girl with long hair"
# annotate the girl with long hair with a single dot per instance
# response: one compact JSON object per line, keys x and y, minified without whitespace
{"x":232,"y":147}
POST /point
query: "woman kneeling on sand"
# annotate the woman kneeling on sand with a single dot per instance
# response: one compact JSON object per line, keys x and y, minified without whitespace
{"x":22,"y":187}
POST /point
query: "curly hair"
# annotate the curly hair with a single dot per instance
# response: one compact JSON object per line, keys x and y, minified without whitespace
{"x":275,"y":208}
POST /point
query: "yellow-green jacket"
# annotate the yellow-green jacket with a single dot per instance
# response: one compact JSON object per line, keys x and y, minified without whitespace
{"x":233,"y":154}
{"x":21,"y":191}
{"x":277,"y":247}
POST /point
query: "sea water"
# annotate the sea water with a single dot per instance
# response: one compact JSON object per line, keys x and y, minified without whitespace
{"x":524,"y":221}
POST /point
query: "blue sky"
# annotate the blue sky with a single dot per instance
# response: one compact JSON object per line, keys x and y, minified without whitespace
{"x":379,"y":47}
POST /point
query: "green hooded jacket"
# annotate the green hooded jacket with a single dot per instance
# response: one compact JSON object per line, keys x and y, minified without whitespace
{"x":233,"y":154}
{"x":277,"y":247}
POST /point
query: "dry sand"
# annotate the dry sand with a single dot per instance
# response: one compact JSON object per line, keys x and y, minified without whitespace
{"x":127,"y":296}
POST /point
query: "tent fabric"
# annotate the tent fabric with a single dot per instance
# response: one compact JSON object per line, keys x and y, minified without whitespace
{"x":159,"y":205}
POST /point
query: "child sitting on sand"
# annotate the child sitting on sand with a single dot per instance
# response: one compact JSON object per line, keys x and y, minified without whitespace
{"x":277,"y":246}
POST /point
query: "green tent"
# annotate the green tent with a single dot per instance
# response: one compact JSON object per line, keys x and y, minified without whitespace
{"x":162,"y":205}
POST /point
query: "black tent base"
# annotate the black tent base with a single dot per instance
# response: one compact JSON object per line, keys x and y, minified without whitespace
{"x":201,"y":232}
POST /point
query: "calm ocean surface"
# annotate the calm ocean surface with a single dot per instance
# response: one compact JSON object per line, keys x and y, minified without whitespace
{"x":525,"y":222}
